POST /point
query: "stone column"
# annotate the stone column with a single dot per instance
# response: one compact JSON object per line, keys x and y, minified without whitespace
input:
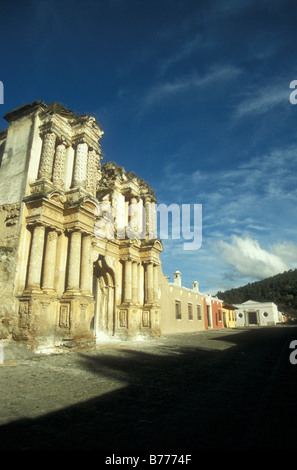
{"x":80,"y":164}
{"x":156,"y":282}
{"x":92,"y":166}
{"x":134,"y":282}
{"x":48,"y":283}
{"x":128,"y":281}
{"x":59,"y":164}
{"x":36,"y":258}
{"x":47,"y":156}
{"x":73,"y":280}
{"x":141,"y":284}
{"x":110,"y":310}
{"x":149,"y":297}
{"x":133,"y":221}
{"x":86,"y":265}
{"x":141,"y":220}
{"x":147,"y":210}
{"x":151,"y":219}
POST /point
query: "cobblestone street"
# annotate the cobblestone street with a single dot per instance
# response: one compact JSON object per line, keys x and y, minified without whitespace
{"x":212,"y":390}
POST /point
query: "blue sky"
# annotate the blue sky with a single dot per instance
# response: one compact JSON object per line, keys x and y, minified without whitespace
{"x":193,"y":96}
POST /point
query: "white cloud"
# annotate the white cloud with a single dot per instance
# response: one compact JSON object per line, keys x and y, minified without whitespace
{"x":167,"y":89}
{"x":249,"y":259}
{"x":258,"y":195}
{"x":287,"y":251}
{"x":255,"y":203}
{"x":263,"y":100}
{"x":183,"y":52}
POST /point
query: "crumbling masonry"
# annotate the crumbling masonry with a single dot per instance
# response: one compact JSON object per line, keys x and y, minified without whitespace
{"x":63,"y":283}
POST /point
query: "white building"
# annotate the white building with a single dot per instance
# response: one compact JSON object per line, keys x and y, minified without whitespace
{"x":252,"y":313}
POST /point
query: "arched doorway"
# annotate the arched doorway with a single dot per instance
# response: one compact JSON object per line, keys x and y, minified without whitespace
{"x":104,"y":293}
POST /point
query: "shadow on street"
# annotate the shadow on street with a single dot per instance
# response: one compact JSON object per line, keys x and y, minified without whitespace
{"x":179,"y":397}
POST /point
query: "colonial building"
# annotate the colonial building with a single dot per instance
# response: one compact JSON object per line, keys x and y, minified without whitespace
{"x":252,"y":313}
{"x":182,"y":308}
{"x":213,"y":312}
{"x":78,"y":247}
{"x":229,"y":313}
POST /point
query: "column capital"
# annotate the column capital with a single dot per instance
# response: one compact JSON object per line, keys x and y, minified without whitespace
{"x":36,"y":225}
{"x":71,"y":230}
{"x":147,"y":262}
{"x":53,"y":121}
{"x":52,"y":234}
{"x":63,"y":140}
{"x":89,"y":140}
{"x":47,"y":128}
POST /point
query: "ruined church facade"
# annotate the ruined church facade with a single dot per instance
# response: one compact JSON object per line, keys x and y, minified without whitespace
{"x":76,"y":263}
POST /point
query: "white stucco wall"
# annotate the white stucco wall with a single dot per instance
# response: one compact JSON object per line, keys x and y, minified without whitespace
{"x":20,"y":160}
{"x":267,"y":313}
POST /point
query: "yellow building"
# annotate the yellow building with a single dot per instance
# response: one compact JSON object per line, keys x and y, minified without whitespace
{"x":229,"y":315}
{"x":182,"y":308}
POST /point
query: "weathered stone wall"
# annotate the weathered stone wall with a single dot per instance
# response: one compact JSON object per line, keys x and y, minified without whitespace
{"x":9,"y":235}
{"x":62,"y":284}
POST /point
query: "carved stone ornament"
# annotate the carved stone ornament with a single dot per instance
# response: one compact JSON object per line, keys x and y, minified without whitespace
{"x":123,"y":318}
{"x":47,"y":155}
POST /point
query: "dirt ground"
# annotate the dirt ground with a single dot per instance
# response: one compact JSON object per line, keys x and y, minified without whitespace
{"x":214,"y":390}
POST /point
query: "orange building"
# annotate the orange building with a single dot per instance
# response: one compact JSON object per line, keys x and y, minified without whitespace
{"x":213,"y":312}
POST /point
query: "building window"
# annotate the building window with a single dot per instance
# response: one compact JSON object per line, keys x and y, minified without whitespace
{"x":190,"y":311}
{"x":178,"y":310}
{"x":198,"y":312}
{"x":220,"y":315}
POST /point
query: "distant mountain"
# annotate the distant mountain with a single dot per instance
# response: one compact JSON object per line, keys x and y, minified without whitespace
{"x":280,"y":289}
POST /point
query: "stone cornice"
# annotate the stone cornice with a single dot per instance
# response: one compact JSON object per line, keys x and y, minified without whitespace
{"x":25,"y":110}
{"x":57,"y":125}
